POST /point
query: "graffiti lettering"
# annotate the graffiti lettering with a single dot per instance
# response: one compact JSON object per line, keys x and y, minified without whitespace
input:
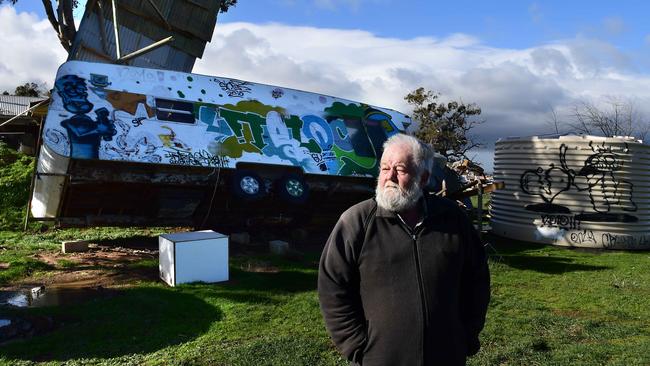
{"x":235,"y":88}
{"x":562,"y":221}
{"x":584,"y":236}
{"x":625,"y":241}
{"x":198,"y":158}
{"x":137,"y":122}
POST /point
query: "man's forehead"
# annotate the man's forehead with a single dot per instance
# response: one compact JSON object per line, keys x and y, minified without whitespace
{"x":397,"y":154}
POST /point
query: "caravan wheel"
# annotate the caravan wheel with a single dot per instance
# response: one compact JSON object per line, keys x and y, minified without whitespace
{"x":248,"y":185}
{"x":293,"y":189}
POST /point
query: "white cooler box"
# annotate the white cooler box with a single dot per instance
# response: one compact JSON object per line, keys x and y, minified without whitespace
{"x":193,"y":256}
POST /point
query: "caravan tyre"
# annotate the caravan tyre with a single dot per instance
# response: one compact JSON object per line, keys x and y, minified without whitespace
{"x":247,"y":185}
{"x":292,"y":188}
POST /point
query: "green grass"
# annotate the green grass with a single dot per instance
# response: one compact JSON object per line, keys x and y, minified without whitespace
{"x":550,"y":306}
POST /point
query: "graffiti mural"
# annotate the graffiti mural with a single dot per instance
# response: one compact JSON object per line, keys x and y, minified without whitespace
{"x":111,"y":112}
{"x":84,"y":133}
{"x":608,"y":193}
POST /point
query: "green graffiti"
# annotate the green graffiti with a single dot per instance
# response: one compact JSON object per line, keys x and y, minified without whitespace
{"x":254,"y":106}
{"x":253,"y":134}
{"x":180,"y":94}
{"x":233,"y":148}
{"x":350,"y":111}
{"x":352,"y":164}
{"x":312,"y":146}
{"x":189,"y":78}
{"x":294,"y":124}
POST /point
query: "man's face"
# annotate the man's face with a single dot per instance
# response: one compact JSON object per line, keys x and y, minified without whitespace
{"x":398,"y":185}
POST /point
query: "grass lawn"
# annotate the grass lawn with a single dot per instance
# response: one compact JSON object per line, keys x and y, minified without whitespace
{"x":550,"y":306}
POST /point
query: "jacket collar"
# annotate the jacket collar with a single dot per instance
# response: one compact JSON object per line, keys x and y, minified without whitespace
{"x":382,"y":212}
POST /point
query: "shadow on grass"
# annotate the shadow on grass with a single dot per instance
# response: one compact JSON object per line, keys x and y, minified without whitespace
{"x":131,"y":242}
{"x":535,"y":257}
{"x":256,"y":287}
{"x":548,"y":265}
{"x":140,"y":320}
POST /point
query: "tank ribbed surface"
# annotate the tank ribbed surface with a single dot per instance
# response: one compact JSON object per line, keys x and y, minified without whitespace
{"x":580,"y":191}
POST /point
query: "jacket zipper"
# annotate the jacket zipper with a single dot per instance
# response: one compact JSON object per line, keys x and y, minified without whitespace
{"x":423,"y":299}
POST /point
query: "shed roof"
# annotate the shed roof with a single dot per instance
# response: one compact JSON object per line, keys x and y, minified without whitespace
{"x":12,"y":105}
{"x":190,"y":22}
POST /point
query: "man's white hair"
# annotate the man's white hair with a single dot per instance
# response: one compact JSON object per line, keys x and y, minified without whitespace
{"x":422,"y":154}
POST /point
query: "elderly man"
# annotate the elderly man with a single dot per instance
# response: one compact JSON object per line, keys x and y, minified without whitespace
{"x":403,"y":278}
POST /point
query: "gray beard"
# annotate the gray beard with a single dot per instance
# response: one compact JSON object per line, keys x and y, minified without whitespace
{"x":396,"y":199}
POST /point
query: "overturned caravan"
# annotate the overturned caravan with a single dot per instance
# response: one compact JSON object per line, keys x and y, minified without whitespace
{"x":126,"y":145}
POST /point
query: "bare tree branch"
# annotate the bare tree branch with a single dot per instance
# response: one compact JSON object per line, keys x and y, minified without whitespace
{"x":618,"y":117}
{"x":49,"y":11}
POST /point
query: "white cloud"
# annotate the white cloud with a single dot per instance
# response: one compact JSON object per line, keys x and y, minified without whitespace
{"x":515,"y":88}
{"x":31,"y":50}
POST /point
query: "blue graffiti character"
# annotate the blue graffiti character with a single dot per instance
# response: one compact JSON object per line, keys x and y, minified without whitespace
{"x":84,"y":133}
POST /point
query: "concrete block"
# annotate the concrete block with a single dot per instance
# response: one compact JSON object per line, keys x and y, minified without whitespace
{"x":240,"y":238}
{"x":279,"y":247}
{"x":73,"y":246}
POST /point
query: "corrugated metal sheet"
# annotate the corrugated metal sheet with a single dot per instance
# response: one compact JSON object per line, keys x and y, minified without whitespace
{"x":11,"y":105}
{"x":190,"y":22}
{"x":581,"y":191}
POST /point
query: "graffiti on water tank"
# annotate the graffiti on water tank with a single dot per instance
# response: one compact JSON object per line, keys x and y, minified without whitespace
{"x":610,"y":196}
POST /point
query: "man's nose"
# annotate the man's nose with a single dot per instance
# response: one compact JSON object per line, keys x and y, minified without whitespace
{"x":392,"y":174}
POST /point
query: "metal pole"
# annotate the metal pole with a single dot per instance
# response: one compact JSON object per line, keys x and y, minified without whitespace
{"x":479,"y":203}
{"x":146,"y":49}
{"x":117,"y":32}
{"x":33,"y":182}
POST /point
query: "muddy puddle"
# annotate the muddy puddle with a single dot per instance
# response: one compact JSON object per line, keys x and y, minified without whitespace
{"x":41,"y":296}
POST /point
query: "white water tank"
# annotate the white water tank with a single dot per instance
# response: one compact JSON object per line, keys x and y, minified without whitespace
{"x":578,"y":191}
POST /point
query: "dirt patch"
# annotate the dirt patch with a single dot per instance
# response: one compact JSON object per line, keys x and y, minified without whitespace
{"x":101,"y":266}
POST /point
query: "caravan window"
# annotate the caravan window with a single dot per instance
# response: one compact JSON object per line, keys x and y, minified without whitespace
{"x":174,"y":111}
{"x":359,"y":138}
{"x":377,"y":135}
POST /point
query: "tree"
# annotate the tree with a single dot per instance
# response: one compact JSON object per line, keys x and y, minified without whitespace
{"x":445,"y":126}
{"x":226,"y":4}
{"x":29,"y":90}
{"x":63,"y":21}
{"x":616,"y":117}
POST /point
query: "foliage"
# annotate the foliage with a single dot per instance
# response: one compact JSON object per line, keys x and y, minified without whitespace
{"x":445,"y":126}
{"x":15,"y":178}
{"x":614,"y":117}
{"x":226,"y":4}
{"x":29,"y":90}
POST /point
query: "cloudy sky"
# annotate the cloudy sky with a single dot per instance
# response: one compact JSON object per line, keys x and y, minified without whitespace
{"x":516,"y":59}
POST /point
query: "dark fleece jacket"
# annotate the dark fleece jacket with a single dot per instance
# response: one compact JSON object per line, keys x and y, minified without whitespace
{"x":395,"y":296}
